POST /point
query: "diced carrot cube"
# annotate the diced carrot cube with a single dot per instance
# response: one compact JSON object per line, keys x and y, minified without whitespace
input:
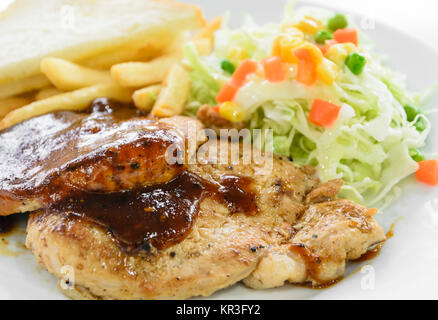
{"x":346,"y":35}
{"x":275,"y":70}
{"x":428,"y":172}
{"x":323,"y":113}
{"x":227,"y":92}
{"x":306,"y":72}
{"x":245,"y":68}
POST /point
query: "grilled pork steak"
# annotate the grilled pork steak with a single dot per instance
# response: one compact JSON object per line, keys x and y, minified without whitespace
{"x":134,"y":226}
{"x":286,"y":240}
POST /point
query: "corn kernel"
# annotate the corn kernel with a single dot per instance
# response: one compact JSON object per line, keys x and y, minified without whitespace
{"x":327,"y":71}
{"x":315,"y":52}
{"x":237,"y":54}
{"x":339,"y":52}
{"x":231,"y":111}
{"x":284,"y":46}
{"x":310,"y":25}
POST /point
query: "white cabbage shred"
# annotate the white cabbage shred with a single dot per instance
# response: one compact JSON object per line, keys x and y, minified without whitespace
{"x":369,"y":145}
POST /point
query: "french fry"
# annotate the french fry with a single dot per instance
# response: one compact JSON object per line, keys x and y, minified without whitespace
{"x":141,"y":74}
{"x":126,"y":54}
{"x":209,"y":29}
{"x":47,"y":93}
{"x":174,"y":94}
{"x":74,"y":101}
{"x":66,"y":75}
{"x":17,"y":87}
{"x":9,"y":104}
{"x":145,"y":98}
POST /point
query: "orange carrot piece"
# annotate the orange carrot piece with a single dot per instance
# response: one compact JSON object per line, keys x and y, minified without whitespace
{"x":245,"y":68}
{"x":227,"y":92}
{"x":229,"y":89}
{"x":323,"y":113}
{"x":428,"y":172}
{"x":306,"y":72}
{"x":346,"y":35}
{"x":275,"y":70}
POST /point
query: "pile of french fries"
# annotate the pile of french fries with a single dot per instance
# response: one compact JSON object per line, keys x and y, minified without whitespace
{"x":160,"y":86}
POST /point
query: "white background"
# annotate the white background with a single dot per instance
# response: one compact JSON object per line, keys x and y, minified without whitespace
{"x":408,"y":264}
{"x":419,"y":17}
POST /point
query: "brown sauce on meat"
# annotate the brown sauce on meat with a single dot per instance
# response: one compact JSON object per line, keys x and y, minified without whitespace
{"x":370,"y":254}
{"x":34,"y":153}
{"x":312,"y":263}
{"x":235,"y":192}
{"x":375,"y":251}
{"x":311,"y":260}
{"x":7,"y":224}
{"x":159,"y":215}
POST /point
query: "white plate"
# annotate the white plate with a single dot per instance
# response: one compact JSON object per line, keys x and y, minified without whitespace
{"x":407,"y":266}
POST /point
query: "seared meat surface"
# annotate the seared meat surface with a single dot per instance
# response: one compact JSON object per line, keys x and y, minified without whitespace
{"x":289,"y":238}
{"x":326,"y":236}
{"x":105,"y":151}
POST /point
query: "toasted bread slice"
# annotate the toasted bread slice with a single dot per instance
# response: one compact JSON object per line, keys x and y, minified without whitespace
{"x":82,"y":29}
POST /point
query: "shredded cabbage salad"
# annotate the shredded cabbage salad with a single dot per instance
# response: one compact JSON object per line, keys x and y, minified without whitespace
{"x":371,"y":146}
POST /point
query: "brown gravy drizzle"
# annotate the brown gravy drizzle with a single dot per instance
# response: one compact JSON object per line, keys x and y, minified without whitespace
{"x":159,"y":215}
{"x":7,"y":224}
{"x":312,"y":263}
{"x":375,"y":251}
{"x":235,"y":192}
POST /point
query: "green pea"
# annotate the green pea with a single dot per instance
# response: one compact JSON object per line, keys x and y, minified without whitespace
{"x":420,"y":125}
{"x":411,"y":112}
{"x":322,"y":36}
{"x":356,"y":63}
{"x":416,"y":154}
{"x":227,"y":66}
{"x":338,"y":21}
